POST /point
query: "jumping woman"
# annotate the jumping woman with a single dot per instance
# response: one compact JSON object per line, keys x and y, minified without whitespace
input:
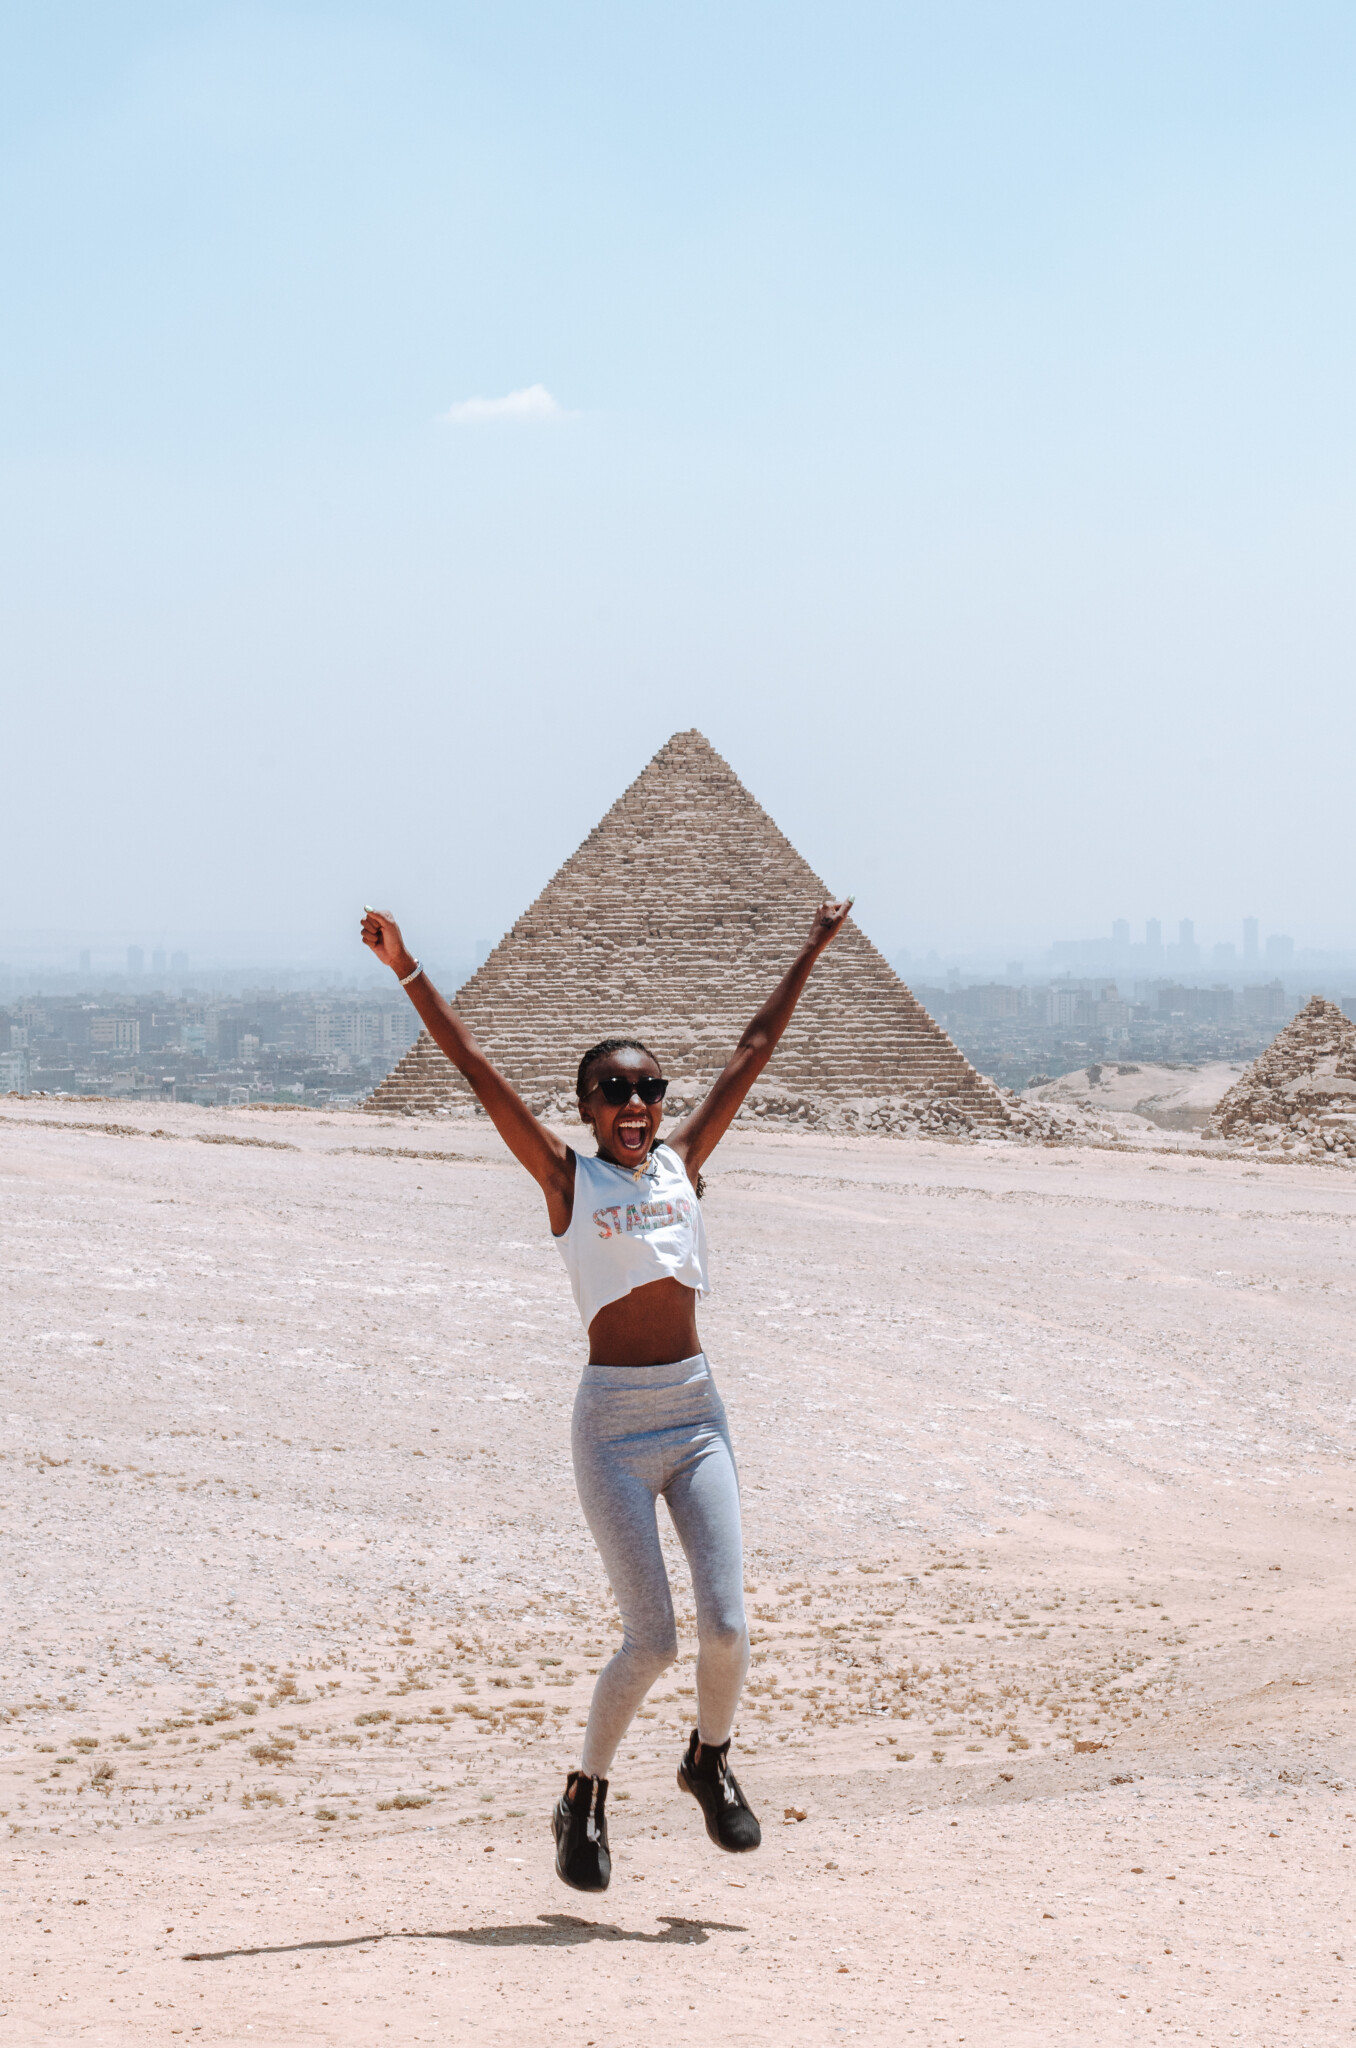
{"x":647,"y":1417}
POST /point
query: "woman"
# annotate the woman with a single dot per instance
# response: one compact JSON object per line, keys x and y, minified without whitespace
{"x":647,"y":1417}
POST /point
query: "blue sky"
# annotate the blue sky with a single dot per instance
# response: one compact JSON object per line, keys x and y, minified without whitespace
{"x":954,"y":420}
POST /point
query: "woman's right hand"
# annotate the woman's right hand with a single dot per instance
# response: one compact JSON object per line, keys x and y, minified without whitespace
{"x":381,"y":932}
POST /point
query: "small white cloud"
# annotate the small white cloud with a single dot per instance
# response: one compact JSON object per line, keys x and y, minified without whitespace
{"x":534,"y":402}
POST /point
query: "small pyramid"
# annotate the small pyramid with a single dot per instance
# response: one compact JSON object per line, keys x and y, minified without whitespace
{"x":1301,"y":1092}
{"x":674,"y":920}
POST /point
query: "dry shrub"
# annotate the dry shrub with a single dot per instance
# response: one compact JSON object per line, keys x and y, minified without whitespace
{"x":277,"y":1751}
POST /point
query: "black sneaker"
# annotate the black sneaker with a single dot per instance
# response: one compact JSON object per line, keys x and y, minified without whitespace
{"x":579,"y":1825}
{"x":705,"y":1773}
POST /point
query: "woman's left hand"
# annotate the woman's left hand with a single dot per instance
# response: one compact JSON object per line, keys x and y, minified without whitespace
{"x":829,"y":920}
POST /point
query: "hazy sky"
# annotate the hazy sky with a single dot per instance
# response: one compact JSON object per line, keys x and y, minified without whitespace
{"x":948,"y":409}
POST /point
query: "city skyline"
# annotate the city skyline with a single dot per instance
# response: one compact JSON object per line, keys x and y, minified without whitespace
{"x":1180,"y":941}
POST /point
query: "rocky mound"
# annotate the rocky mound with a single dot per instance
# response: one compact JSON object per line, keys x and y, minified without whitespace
{"x":1301,"y":1093}
{"x":779,"y":1109}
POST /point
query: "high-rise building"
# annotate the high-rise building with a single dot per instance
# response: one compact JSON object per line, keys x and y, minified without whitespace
{"x":136,"y":960}
{"x":1186,"y":954}
{"x":1250,"y":942}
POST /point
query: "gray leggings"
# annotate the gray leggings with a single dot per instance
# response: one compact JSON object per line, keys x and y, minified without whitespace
{"x":640,"y":1431}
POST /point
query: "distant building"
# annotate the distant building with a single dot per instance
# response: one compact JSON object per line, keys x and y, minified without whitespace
{"x":1280,"y":950}
{"x":14,"y":1072}
{"x":337,"y":1029}
{"x":1087,"y":1009}
{"x":229,"y":1031}
{"x":1195,"y":1005}
{"x":1266,"y":1004}
{"x":1186,"y":953}
{"x":115,"y":1033}
{"x":992,"y":999}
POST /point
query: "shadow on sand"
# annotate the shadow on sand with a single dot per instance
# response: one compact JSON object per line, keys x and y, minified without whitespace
{"x":548,"y":1930}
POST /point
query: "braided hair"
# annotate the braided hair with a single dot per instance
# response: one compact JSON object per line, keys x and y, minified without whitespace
{"x":600,"y":1051}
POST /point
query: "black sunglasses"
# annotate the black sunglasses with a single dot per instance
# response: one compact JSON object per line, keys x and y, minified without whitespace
{"x":616,"y":1089}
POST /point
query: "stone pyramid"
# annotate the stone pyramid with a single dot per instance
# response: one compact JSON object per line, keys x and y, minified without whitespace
{"x":673,"y":921}
{"x":1301,"y":1092}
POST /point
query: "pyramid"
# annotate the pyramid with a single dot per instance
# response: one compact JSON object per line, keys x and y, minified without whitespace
{"x":1301,"y":1092}
{"x":674,"y":921}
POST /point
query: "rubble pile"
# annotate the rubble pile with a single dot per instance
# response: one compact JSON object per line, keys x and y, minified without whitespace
{"x":912,"y":1116}
{"x":770,"y":1108}
{"x":1300,"y":1096}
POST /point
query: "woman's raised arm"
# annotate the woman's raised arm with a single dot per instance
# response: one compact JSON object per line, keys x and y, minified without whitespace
{"x":698,"y":1135}
{"x":546,"y":1157}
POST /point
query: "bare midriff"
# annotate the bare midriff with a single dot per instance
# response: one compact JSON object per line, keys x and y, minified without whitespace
{"x":652,"y":1325}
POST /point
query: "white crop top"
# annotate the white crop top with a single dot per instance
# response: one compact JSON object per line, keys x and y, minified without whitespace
{"x":630,"y":1227}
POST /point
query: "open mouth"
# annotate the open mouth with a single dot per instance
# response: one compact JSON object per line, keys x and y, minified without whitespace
{"x":632,"y":1134}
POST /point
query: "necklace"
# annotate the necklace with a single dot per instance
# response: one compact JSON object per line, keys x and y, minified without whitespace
{"x":649,"y":1171}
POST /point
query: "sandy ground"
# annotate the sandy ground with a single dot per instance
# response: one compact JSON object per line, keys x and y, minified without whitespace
{"x":1046,"y":1458}
{"x":1171,"y":1098}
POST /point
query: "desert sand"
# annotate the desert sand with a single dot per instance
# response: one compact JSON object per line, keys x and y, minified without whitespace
{"x":1046,"y":1457}
{"x":1140,"y":1094}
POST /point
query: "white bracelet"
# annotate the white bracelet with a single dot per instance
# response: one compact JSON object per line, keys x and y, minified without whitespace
{"x":414,"y":973}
